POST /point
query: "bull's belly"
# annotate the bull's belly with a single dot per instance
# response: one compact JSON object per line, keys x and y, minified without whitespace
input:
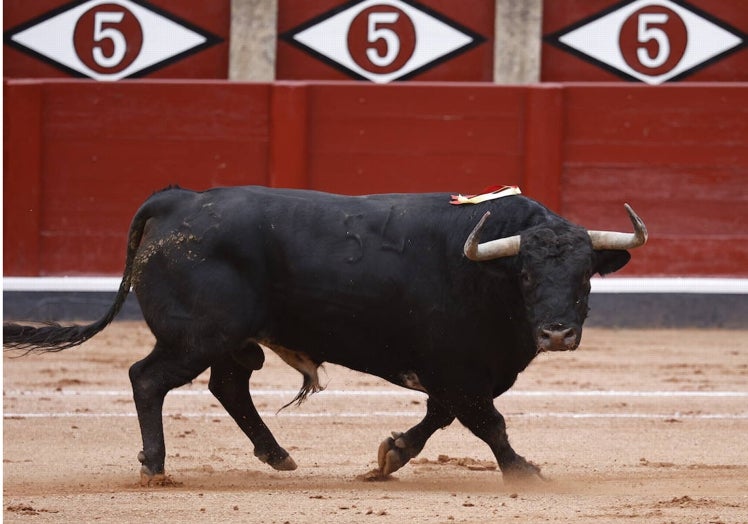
{"x":384,"y":362}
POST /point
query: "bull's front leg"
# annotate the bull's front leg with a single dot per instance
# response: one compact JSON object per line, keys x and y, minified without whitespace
{"x":396,"y":451}
{"x":483,"y":419}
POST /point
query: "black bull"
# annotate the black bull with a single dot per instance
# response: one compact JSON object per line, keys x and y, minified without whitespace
{"x":398,"y":286}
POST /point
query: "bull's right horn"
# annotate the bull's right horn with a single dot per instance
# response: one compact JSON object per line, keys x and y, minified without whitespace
{"x":499,"y":248}
{"x":617,"y":240}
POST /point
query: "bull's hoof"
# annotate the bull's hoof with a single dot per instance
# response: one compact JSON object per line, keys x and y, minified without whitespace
{"x":521,"y":470}
{"x":286,"y":464}
{"x":149,"y":479}
{"x":392,"y":454}
{"x":280,"y":462}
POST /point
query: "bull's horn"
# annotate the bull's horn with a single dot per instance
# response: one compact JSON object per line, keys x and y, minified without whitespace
{"x":502,"y":247}
{"x":616,"y":240}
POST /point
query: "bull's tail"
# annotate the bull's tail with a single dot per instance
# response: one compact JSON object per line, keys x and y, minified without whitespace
{"x":54,"y":337}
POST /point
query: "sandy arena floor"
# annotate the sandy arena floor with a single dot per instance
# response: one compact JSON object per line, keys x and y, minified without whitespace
{"x":636,"y":426}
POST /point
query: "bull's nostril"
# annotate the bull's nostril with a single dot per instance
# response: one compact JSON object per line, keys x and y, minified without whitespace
{"x":557,"y":337}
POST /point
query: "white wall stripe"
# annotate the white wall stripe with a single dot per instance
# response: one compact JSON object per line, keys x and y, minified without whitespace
{"x":387,"y":393}
{"x":396,"y":414}
{"x":92,"y":284}
{"x":718,"y":286}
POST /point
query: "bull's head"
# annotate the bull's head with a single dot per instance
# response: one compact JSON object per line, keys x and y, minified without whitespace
{"x":555,"y":266}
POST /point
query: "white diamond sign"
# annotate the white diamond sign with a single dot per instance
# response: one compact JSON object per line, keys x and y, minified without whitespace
{"x":382,"y":40}
{"x":650,"y":40}
{"x":109,"y":39}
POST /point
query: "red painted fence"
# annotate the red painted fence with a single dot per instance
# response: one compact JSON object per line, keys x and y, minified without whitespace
{"x":81,"y":156}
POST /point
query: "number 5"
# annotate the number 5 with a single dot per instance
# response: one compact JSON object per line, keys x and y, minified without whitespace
{"x":391,"y":40}
{"x":647,"y":33}
{"x":100,"y":33}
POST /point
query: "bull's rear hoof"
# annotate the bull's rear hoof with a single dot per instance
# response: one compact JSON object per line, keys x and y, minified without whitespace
{"x":391,"y":455}
{"x":148,"y":479}
{"x":285,"y":464}
{"x":280,"y":460}
{"x":522,"y":471}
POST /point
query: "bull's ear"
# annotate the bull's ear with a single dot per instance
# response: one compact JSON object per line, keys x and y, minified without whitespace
{"x":609,"y":261}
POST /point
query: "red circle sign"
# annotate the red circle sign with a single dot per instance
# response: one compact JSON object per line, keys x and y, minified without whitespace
{"x":108,"y":38}
{"x":653,"y":40}
{"x":381,"y":39}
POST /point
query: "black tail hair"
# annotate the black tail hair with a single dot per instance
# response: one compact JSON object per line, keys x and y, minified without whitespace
{"x":51,"y":336}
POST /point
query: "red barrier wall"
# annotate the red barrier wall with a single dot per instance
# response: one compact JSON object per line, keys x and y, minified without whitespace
{"x":679,"y":155}
{"x":81,"y":156}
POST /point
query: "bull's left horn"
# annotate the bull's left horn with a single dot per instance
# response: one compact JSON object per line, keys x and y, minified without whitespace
{"x":617,"y":240}
{"x":502,"y":247}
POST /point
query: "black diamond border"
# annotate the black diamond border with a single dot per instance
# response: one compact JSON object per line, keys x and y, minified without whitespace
{"x":210,"y":41}
{"x":554,"y":40}
{"x":477,"y":39}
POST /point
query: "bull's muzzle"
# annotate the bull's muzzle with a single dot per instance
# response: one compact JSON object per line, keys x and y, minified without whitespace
{"x":557,"y":337}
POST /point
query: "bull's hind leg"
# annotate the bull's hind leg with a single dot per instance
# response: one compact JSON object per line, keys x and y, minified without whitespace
{"x":397,"y":450}
{"x":229,"y":382}
{"x":152,"y":378}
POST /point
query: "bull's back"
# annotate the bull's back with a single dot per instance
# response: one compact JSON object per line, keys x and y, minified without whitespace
{"x":305,"y":245}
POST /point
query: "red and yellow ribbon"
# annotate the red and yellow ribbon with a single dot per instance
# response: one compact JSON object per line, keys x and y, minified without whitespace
{"x":490,"y":193}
